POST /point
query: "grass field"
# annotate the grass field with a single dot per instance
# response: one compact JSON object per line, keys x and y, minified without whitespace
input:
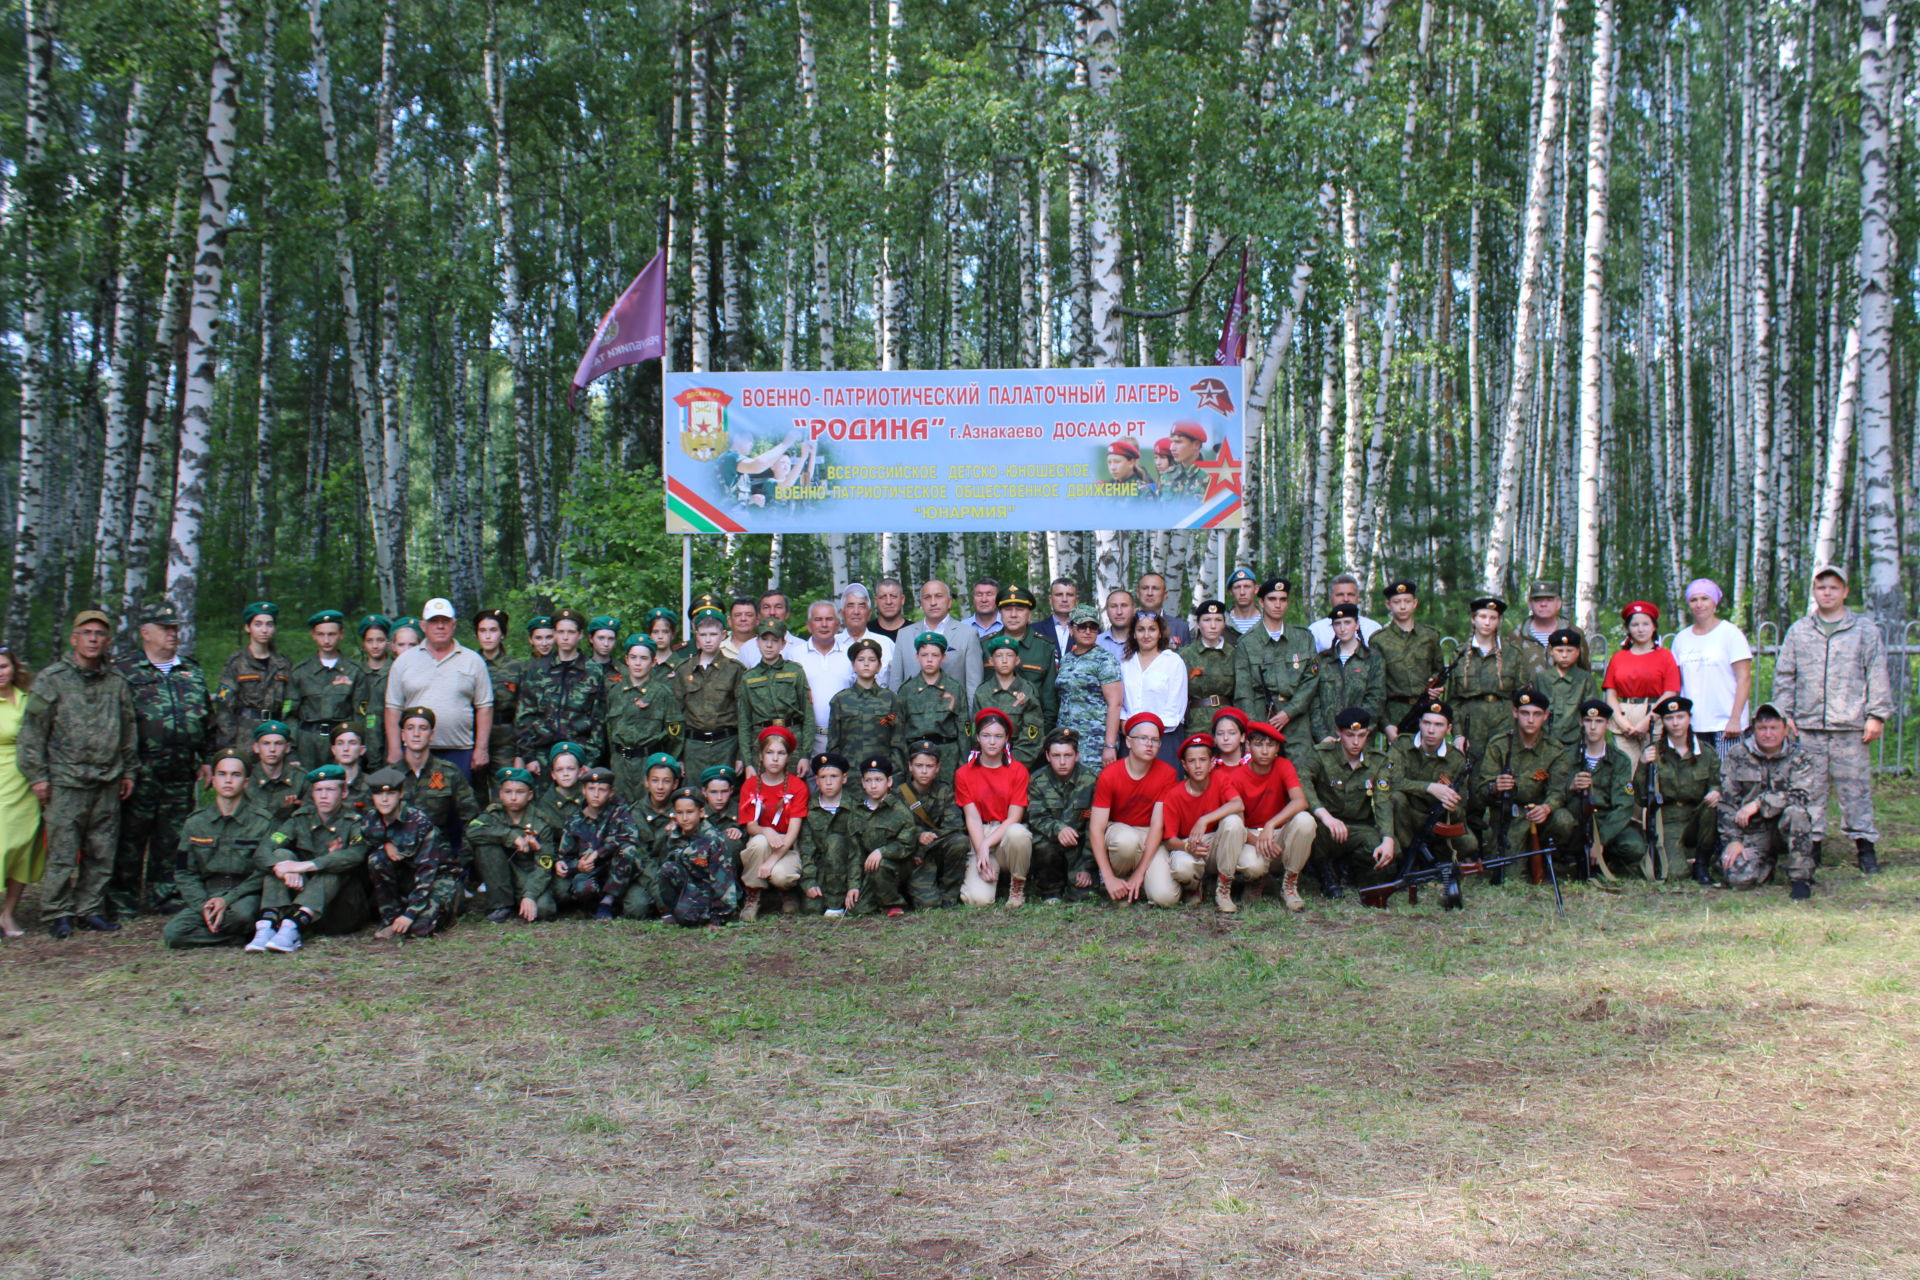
{"x":1685,"y":1083}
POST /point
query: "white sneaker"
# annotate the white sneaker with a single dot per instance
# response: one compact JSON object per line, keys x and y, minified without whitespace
{"x":261,"y":933}
{"x":286,"y":938}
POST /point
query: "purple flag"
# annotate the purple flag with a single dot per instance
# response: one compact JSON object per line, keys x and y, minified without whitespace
{"x":1233,"y":335}
{"x":634,"y":328}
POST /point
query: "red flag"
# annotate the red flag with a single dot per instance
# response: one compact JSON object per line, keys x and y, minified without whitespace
{"x":634,"y":328}
{"x":1233,"y":335}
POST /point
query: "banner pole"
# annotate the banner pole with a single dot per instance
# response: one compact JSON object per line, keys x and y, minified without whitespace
{"x":686,"y":574}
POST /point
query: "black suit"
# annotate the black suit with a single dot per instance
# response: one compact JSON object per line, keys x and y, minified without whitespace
{"x":1059,"y":634}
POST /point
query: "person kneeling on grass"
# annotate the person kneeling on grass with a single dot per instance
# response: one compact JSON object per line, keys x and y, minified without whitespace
{"x":1124,"y":827}
{"x":316,"y":864}
{"x":1279,"y":828}
{"x":886,"y":833}
{"x":830,"y":875}
{"x":219,"y":879}
{"x":1059,"y":799}
{"x":1200,"y":819}
{"x":1353,"y":781}
{"x":514,"y":845}
{"x":1603,"y":773}
{"x":772,"y":803}
{"x":991,"y":790}
{"x":696,"y":871}
{"x":601,"y":862}
{"x":940,"y":831}
{"x":418,"y":878}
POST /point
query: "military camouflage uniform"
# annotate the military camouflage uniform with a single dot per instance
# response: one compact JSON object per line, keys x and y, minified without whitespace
{"x":623,"y":866}
{"x":639,"y":723}
{"x":334,"y":896}
{"x":557,"y":805}
{"x":860,"y":723}
{"x":1413,"y":772}
{"x":218,"y":859}
{"x":1039,"y":662}
{"x":1273,"y":677}
{"x":1614,"y":800}
{"x":320,"y":697}
{"x":830,"y":859}
{"x":1357,"y":682}
{"x":1083,"y":705}
{"x":250,"y":690}
{"x":1565,"y":692}
{"x":1481,"y":690}
{"x":510,"y":874}
{"x":1021,"y":701}
{"x":174,"y":711}
{"x":697,"y":879}
{"x":1360,"y":796}
{"x":1408,"y":659}
{"x":891,"y":829}
{"x":934,"y":712}
{"x":78,"y":734}
{"x":1054,"y":802}
{"x":774,"y":693}
{"x":1829,"y":679}
{"x":1533,"y":657}
{"x":1209,"y":682}
{"x":560,"y":702}
{"x":373,"y":702}
{"x":1685,"y":783}
{"x":279,"y":797}
{"x":1540,"y":776}
{"x":1783,"y":785}
{"x":425,"y":883}
{"x":1183,"y":480}
{"x":709,"y":713}
{"x":934,"y":880}
{"x":504,"y":672}
{"x":444,"y":794}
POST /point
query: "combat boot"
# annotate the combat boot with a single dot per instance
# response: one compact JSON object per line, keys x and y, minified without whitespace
{"x":1800,"y":890}
{"x":1223,"y":895}
{"x":750,"y":909}
{"x":1869,"y":860}
{"x":1290,"y":892}
{"x":1332,"y":883}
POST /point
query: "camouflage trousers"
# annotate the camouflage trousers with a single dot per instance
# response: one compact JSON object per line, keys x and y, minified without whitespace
{"x":929,"y":877}
{"x":1054,"y":867}
{"x":188,"y":929}
{"x":83,"y":835}
{"x":1682,"y":828}
{"x":695,"y":894}
{"x":697,"y":756}
{"x":1845,"y":763}
{"x":334,"y":901}
{"x":509,"y":876}
{"x":149,"y":845}
{"x":1761,"y":844}
{"x":395,"y":882}
{"x":631,"y":883}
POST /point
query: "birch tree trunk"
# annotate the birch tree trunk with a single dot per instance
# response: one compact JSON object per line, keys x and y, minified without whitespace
{"x":822,"y":265}
{"x":1874,"y":265}
{"x":1833,"y":486}
{"x":393,"y":434}
{"x":1493,"y":571}
{"x":890,"y":302}
{"x":1100,"y":35}
{"x":264,"y":413}
{"x":139,"y":540}
{"x":732,"y":317}
{"x":28,"y":521}
{"x":203,"y":318}
{"x":117,"y":451}
{"x":1593,"y":352}
{"x":699,"y":249}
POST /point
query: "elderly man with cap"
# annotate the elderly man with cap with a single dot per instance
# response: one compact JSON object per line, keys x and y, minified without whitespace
{"x":1243,"y":588}
{"x":79,"y":751}
{"x":1209,"y":661}
{"x":1830,"y":682}
{"x":1525,"y":772}
{"x":452,"y":681}
{"x":1765,"y":807}
{"x":1276,"y":670}
{"x":775,"y":692}
{"x":433,"y":783}
{"x":563,"y":699}
{"x":1343,"y":590}
{"x":1689,"y":792}
{"x":856,"y":619}
{"x":1183,"y":477}
{"x":1125,"y":473}
{"x":174,"y":710}
{"x":1432,"y":781}
{"x":218,"y":876}
{"x":1412,"y":664}
{"x":316,"y":865}
{"x":1716,"y":667}
{"x":417,"y":877}
{"x":323,"y":690}
{"x":253,"y":683}
{"x":1351,"y":786}
{"x":827,"y":665}
{"x":1545,"y":615}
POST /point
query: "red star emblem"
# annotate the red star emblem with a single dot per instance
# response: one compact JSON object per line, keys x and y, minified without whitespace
{"x":1224,"y":473}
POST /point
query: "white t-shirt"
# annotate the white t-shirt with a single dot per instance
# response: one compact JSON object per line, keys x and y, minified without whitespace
{"x":1706,"y":673}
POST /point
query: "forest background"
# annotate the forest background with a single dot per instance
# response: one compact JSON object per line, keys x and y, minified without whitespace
{"x":1611,"y":291}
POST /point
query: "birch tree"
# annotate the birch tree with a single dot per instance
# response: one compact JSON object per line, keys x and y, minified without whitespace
{"x":1593,"y":337}
{"x":1875,"y":270}
{"x":120,"y":448}
{"x":33,"y":315}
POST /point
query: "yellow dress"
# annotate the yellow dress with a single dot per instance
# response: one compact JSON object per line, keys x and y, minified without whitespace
{"x":23,"y":855}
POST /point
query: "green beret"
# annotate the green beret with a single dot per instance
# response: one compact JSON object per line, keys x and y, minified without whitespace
{"x":709,"y":612}
{"x":927,"y":638}
{"x":654,"y":615}
{"x":605,"y":622}
{"x":511,"y":774}
{"x":326,"y":773}
{"x":375,"y":622}
{"x":583,"y":754}
{"x":267,"y":728}
{"x":995,"y":643}
{"x":326,"y":615}
{"x":408,"y":621}
{"x":254,"y":610}
{"x":637,"y":638}
{"x":661,"y":759}
{"x":716,"y":773}
{"x":538,"y":622}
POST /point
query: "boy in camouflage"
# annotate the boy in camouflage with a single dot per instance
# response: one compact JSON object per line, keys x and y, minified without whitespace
{"x":316,"y":864}
{"x":1059,"y":798}
{"x":253,"y":683}
{"x":887,"y":835}
{"x":1689,"y":777}
{"x":601,"y":861}
{"x":1010,"y":693}
{"x":1603,"y":772}
{"x":417,"y":877}
{"x":860,"y":717}
{"x":559,"y":800}
{"x":276,"y":784}
{"x":940,"y":837}
{"x":696,"y":871}
{"x":643,"y":719}
{"x":324,"y":690}
{"x":514,"y":847}
{"x":1567,"y":685}
{"x":830,"y":873}
{"x":219,"y":880}
{"x":932,"y":708}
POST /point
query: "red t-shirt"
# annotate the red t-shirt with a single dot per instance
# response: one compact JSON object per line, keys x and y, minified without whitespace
{"x":776,"y":808}
{"x":1265,"y":796}
{"x":1642,"y":675}
{"x":1181,"y":808}
{"x":994,"y":791}
{"x":1127,"y":800}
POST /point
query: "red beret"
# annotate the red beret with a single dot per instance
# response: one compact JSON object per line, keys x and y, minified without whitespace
{"x":985,"y":714}
{"x":1139,"y":718}
{"x":1234,"y":714}
{"x":1260,"y":728}
{"x":1198,"y":740}
{"x":777,"y":731}
{"x":1639,"y":606}
{"x":1163,"y":446}
{"x":1125,"y":448}
{"x":1191,"y":430}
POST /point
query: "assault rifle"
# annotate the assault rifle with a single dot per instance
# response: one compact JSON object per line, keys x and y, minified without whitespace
{"x":1655,"y":825}
{"x":1421,"y":863}
{"x":1436,"y":687}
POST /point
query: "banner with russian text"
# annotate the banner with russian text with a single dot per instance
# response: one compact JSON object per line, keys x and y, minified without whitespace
{"x":953,"y":450}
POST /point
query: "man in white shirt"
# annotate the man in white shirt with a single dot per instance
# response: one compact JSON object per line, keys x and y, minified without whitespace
{"x":986,"y":608}
{"x":1344,"y":589}
{"x":1061,"y":597}
{"x":450,"y":679}
{"x":823,"y":656}
{"x":963,"y":643}
{"x":856,"y":615}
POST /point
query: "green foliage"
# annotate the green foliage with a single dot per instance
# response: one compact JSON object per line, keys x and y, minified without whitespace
{"x":619,"y":556}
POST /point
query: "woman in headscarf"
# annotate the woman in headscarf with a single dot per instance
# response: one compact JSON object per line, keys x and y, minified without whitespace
{"x":1716,"y":668}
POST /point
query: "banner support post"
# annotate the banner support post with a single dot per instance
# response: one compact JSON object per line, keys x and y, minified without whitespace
{"x":686,"y":576}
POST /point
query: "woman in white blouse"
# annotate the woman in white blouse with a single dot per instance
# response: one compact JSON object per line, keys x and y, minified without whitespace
{"x":1153,"y":678}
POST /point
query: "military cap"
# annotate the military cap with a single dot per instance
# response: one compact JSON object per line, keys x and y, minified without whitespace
{"x":498,"y":615}
{"x":326,"y":615}
{"x":438,"y":607}
{"x":718,"y":773}
{"x":1343,"y":611}
{"x":406,"y":620}
{"x":929,"y":638}
{"x":85,"y":616}
{"x":985,"y":714}
{"x":605,"y":622}
{"x":574,"y":616}
{"x":865,"y":645}
{"x":1083,"y":613}
{"x":257,"y":608}
{"x":328,"y":773}
{"x":705,"y":600}
{"x":877,"y":764}
{"x":1564,"y":636}
{"x":831,"y":760}
{"x":994,"y":643}
{"x":1767,"y":711}
{"x":345,"y":727}
{"x":596,"y":773}
{"x":511,"y":774}
{"x":160,"y":614}
{"x":658,"y":612}
{"x":1494,"y":603}
{"x":1191,"y":430}
{"x":779,"y":731}
{"x":1242,"y":574}
{"x":1435,"y":707}
{"x":923,"y":747}
{"x":1139,"y":718}
{"x":770,"y":627}
{"x":707,"y":613}
{"x":1672,"y":704}
{"x":688,"y":794}
{"x":1209,"y":608}
{"x":539,"y":622}
{"x":1596,"y":707}
{"x":1064,"y":734}
{"x":626,"y":645}
{"x":267,"y":728}
{"x":1830,"y":571}
{"x":1531,"y":697}
{"x":573,"y":749}
{"x":388,"y":779}
{"x":1262,"y":729}
{"x":663,"y":760}
{"x":381,"y":622}
{"x":228,"y":753}
{"x":1401,"y":588}
{"x":1016,"y":598}
{"x":419,"y":713}
{"x":1234,"y":714}
{"x":1640,"y":606}
{"x":1199,"y":740}
{"x":1163,"y":448}
{"x":1353,"y":718}
{"x":1272,"y":585}
{"x":1125,"y":448}
{"x":1544,"y":589}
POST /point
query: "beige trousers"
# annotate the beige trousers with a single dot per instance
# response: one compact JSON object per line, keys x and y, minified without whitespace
{"x":1296,"y":846}
{"x":1013,"y":856}
{"x":759,"y":868}
{"x":1125,"y":847}
{"x":1229,"y":846}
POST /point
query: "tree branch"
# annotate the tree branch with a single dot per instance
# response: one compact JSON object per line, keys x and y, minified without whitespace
{"x":1193,"y":294}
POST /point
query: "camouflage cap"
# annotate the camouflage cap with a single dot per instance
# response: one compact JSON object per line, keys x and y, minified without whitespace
{"x":1830,"y":571}
{"x":1544,"y":589}
{"x":160,"y":614}
{"x":770,"y":627}
{"x":1083,"y":613}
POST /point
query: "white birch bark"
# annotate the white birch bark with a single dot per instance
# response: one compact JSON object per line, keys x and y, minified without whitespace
{"x":203,"y":319}
{"x":1874,"y":266}
{"x":1833,"y":485}
{"x":890,"y":301}
{"x":393,"y":434}
{"x":119,"y":448}
{"x":822,"y":258}
{"x":155,"y":427}
{"x":264,"y":400}
{"x":732,"y":315}
{"x":1317,"y":528}
{"x":28,"y":520}
{"x":1593,"y":349}
{"x":699,"y":250}
{"x":1100,"y":37}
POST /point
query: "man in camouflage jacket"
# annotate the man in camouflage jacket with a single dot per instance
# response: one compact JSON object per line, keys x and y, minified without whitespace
{"x":174,"y":711}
